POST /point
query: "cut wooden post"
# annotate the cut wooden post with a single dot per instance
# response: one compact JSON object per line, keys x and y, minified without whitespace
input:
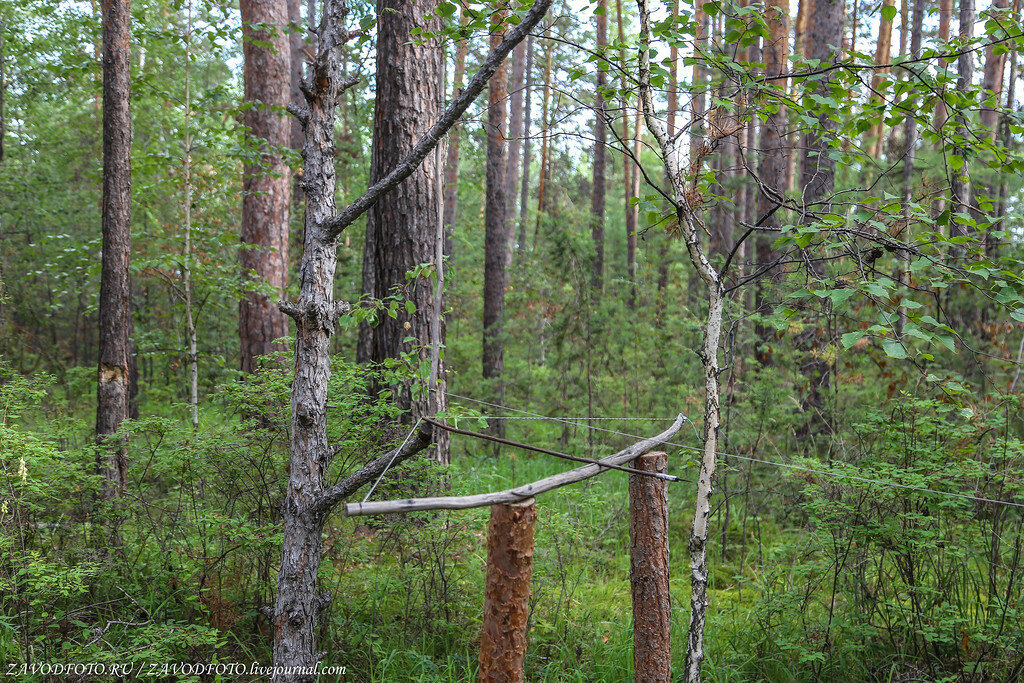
{"x":648,"y":570}
{"x":507,"y":592}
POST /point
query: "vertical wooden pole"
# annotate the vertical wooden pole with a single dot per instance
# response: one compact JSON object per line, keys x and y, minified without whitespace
{"x":648,"y":571}
{"x":507,"y":592}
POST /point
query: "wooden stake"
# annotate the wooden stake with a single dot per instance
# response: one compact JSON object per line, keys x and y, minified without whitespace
{"x":507,"y":592}
{"x":648,"y":571}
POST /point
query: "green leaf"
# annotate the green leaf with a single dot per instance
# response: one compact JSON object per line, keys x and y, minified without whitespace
{"x":839,"y":296}
{"x":894,"y":349}
{"x":1018,"y":314}
{"x":851,"y":338}
{"x":889,"y":13}
{"x":410,"y":307}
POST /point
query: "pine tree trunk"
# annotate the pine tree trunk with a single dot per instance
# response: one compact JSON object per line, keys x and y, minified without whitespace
{"x":817,"y":173}
{"x":402,"y":229}
{"x":773,"y":167}
{"x":265,"y":185}
{"x":495,"y":228}
{"x":628,"y":165}
{"x":597,"y":199}
{"x":882,"y":56}
{"x":115,"y":315}
{"x":960,"y":183}
{"x":527,"y":147}
{"x":545,"y":145}
{"x":515,"y":142}
{"x":451,"y":167}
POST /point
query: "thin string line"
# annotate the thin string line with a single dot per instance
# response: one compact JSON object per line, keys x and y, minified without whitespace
{"x":392,"y":461}
{"x":545,"y":417}
{"x":798,"y":468}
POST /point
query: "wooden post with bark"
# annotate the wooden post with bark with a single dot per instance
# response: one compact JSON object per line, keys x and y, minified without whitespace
{"x":648,"y":570}
{"x":507,"y":591}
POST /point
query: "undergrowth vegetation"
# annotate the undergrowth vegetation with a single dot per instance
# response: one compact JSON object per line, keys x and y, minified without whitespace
{"x":820,"y":570}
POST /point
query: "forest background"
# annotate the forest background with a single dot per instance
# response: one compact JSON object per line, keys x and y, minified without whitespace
{"x":852,"y":174}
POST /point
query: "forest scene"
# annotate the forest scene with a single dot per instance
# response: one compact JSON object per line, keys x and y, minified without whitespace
{"x":511,"y":340}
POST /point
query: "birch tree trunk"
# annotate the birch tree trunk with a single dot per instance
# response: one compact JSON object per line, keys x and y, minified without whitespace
{"x":670,"y":148}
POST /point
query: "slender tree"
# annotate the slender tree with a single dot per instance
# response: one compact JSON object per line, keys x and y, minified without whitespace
{"x":527,"y":146}
{"x":451,"y":167}
{"x":960,"y":183}
{"x":515,"y":140}
{"x":495,"y":226}
{"x":401,"y":232}
{"x":265,"y":186}
{"x":688,"y":221}
{"x":629,"y":169}
{"x":600,"y":143}
{"x":186,"y":266}
{"x":882,"y":56}
{"x":545,"y":143}
{"x":115,"y":314}
{"x":775,"y":152}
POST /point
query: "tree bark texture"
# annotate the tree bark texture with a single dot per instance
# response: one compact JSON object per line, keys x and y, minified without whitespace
{"x":628,"y":165}
{"x":515,"y":141}
{"x":649,"y":571}
{"x":883,"y":50}
{"x":451,"y":167}
{"x":507,"y":591}
{"x":115,"y":316}
{"x":401,"y":230}
{"x":775,"y":152}
{"x":296,"y":57}
{"x":597,"y":202}
{"x":545,"y":143}
{"x":524,"y":196}
{"x":960,"y":183}
{"x":992,"y":80}
{"x":495,"y":226}
{"x":298,"y":602}
{"x":817,"y":173}
{"x":265,"y":184}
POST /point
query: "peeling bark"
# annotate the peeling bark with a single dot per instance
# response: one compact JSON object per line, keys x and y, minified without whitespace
{"x":649,"y":571}
{"x":507,"y":591}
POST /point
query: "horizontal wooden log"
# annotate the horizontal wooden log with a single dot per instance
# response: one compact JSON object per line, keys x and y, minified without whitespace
{"x":520,"y":493}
